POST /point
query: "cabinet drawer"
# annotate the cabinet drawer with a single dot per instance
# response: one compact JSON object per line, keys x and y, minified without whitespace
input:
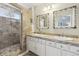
{"x":50,"y":43}
{"x":75,"y":49}
{"x":63,"y":46}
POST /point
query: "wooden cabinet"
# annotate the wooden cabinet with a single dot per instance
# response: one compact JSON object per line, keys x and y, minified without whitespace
{"x":40,"y":48}
{"x":36,"y":45}
{"x":28,"y":42}
{"x":65,"y":49}
{"x":31,"y":44}
{"x":51,"y":51}
{"x":43,"y":47}
{"x":74,"y":49}
{"x":68,"y":50}
{"x":67,"y":53}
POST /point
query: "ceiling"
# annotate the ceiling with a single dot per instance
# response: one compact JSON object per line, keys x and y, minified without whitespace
{"x":54,"y":5}
{"x":30,"y":5}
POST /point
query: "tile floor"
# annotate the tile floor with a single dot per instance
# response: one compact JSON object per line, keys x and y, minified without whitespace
{"x":11,"y":51}
{"x":14,"y":50}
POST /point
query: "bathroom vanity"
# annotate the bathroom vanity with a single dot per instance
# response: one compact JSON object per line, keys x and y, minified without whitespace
{"x":47,"y":45}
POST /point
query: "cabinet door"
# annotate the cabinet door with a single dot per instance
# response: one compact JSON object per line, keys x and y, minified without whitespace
{"x":66,"y":53}
{"x":43,"y":50}
{"x":31,"y":44}
{"x":28,"y":42}
{"x":51,"y":51}
{"x":40,"y":49}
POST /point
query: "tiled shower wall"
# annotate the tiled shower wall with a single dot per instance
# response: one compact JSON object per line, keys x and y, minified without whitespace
{"x":9,"y":32}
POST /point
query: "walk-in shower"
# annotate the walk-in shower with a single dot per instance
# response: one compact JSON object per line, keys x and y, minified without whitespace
{"x":10,"y":27}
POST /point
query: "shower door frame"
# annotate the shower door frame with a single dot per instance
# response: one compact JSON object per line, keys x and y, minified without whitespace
{"x":18,"y":9}
{"x":21,"y":23}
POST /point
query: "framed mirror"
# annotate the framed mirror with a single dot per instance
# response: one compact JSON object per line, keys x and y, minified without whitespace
{"x":42,"y":21}
{"x":65,"y":18}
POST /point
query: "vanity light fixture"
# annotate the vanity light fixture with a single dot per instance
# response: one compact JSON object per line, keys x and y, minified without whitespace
{"x":44,"y":9}
{"x":47,"y":8}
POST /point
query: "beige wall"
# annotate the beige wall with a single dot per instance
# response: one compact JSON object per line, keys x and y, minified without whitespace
{"x":40,"y":10}
{"x":26,"y":21}
{"x":26,"y":26}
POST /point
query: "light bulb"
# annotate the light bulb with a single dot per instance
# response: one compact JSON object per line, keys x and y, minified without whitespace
{"x":48,"y":7}
{"x":45,"y":9}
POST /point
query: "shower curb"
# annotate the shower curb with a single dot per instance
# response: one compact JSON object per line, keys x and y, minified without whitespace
{"x":23,"y":53}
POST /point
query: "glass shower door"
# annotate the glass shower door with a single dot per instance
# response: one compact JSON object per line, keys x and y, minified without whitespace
{"x":10,"y":26}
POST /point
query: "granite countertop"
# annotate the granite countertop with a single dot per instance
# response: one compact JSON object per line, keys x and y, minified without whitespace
{"x":59,"y":39}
